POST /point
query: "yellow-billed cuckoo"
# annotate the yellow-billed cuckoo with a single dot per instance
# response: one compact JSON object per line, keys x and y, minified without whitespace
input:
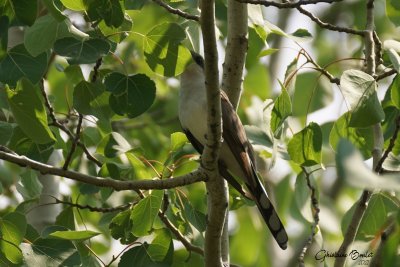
{"x":236,"y":155}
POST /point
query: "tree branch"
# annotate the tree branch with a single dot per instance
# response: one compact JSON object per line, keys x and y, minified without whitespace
{"x":386,"y":74}
{"x":94,"y":209}
{"x":315,"y":211}
{"x":74,"y":142}
{"x":190,"y":178}
{"x":328,"y":25}
{"x":285,"y":4}
{"x":392,"y":143}
{"x":216,"y":187}
{"x":62,"y":127}
{"x":236,"y":49}
{"x":176,"y":11}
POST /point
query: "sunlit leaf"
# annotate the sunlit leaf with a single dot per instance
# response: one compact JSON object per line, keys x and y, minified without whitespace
{"x":163,"y":50}
{"x":305,"y":146}
{"x":30,"y":186}
{"x":76,"y":5}
{"x":12,"y":230}
{"x":395,"y":91}
{"x":144,"y":213}
{"x":362,"y":138}
{"x":281,"y":111}
{"x":359,"y":90}
{"x":161,"y":246}
{"x":74,"y":235}
{"x":29,"y":112}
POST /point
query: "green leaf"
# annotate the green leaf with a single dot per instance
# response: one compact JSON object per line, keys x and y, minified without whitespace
{"x":54,"y":11}
{"x":280,"y":112}
{"x":163,"y":50}
{"x":92,"y":99}
{"x":23,"y":145}
{"x":130,"y":95}
{"x":12,"y":230}
{"x":108,"y":10}
{"x":66,"y":218}
{"x":359,"y":90}
{"x":134,"y":4}
{"x":361,"y":138}
{"x":6,"y":130}
{"x":195,"y":217}
{"x":50,"y":253}
{"x":312,"y":92}
{"x":395,"y":91}
{"x":178,"y":140}
{"x":19,"y":63}
{"x":4,"y":23}
{"x":76,"y":5}
{"x":161,"y":246}
{"x":29,"y":112}
{"x":145,"y":212}
{"x":395,"y":59}
{"x":41,"y":36}
{"x":74,"y":235}
{"x":25,"y":10}
{"x":351,"y":167}
{"x":305,"y":146}
{"x":121,"y":227}
{"x":112,"y":145}
{"x":140,"y":169}
{"x":81,"y":51}
{"x":302,"y":33}
{"x":117,"y":35}
{"x":267,"y":52}
{"x":376,"y":216}
{"x":30,"y":186}
{"x":393,"y":11}
{"x":140,"y":257}
{"x":302,"y":196}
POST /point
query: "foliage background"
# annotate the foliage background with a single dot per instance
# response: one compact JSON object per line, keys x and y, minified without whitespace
{"x":82,"y":55}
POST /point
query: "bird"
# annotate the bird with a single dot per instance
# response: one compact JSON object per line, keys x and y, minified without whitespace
{"x":236,"y":154}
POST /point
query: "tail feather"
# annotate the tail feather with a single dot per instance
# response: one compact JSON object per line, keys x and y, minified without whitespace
{"x":269,"y":214}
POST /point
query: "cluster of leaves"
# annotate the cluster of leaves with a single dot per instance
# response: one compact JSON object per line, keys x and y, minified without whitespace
{"x":131,"y":48}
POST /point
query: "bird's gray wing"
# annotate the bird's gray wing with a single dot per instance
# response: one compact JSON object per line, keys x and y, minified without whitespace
{"x":235,"y":137}
{"x":221,"y":165}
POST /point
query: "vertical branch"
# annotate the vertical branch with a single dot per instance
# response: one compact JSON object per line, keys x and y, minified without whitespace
{"x":235,"y":55}
{"x":217,"y":197}
{"x":236,"y":50}
{"x":378,"y":139}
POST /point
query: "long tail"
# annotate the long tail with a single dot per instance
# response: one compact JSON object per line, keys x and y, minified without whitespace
{"x":269,"y":214}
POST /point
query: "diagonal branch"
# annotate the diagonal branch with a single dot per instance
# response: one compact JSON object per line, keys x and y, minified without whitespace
{"x":62,"y":127}
{"x":190,"y":178}
{"x":176,"y":11}
{"x":286,"y":4}
{"x":329,"y":26}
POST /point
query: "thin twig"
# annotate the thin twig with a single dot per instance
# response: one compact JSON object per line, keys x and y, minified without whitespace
{"x":74,"y":142}
{"x":316,"y":210}
{"x":94,"y":209}
{"x":392,"y":143}
{"x":378,"y":49}
{"x":62,"y":127}
{"x":287,"y":4}
{"x":329,"y":26}
{"x":190,"y":178}
{"x":176,"y":11}
{"x":386,"y":74}
{"x":188,"y":245}
{"x":323,"y":71}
